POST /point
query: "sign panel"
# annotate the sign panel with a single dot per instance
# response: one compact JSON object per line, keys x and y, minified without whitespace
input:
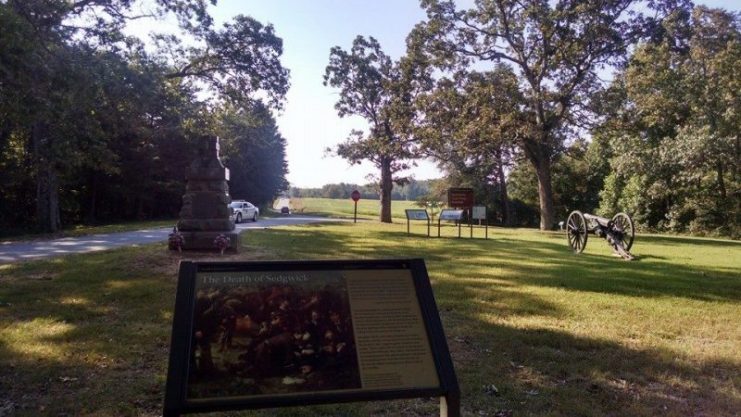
{"x":416,"y":214}
{"x":460,"y":197}
{"x":448,"y":214}
{"x":479,"y":213}
{"x":266,"y":334}
{"x":355,"y":195}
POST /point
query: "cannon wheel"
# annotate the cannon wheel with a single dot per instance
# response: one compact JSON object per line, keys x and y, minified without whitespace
{"x":624,"y":224}
{"x":576,"y":231}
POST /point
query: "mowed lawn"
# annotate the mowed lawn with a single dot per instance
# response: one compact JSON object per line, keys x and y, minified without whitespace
{"x":367,"y":209}
{"x":534,"y":330}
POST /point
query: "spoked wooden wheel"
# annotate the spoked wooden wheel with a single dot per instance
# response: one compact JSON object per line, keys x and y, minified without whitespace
{"x":576,"y":231}
{"x":623,"y":225}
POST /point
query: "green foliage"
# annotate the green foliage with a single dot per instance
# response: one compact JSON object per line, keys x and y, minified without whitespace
{"x":556,"y":49}
{"x":674,"y":128}
{"x":379,"y":90}
{"x":412,"y":190}
{"x":93,"y":126}
{"x":254,"y":152}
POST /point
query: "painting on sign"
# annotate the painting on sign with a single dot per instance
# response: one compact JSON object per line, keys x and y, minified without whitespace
{"x":264,"y":334}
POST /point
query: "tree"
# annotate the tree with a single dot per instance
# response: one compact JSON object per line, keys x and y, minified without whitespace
{"x":556,"y":49}
{"x":255,"y":153}
{"x":80,"y":101}
{"x":674,"y":127}
{"x":468,"y":124}
{"x":381,"y":91}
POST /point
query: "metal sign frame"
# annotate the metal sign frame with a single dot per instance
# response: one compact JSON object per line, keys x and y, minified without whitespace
{"x":182,"y":348}
{"x":409,"y":216}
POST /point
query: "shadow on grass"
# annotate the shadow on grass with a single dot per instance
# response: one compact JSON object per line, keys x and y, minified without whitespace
{"x":86,"y":334}
{"x":538,"y":263}
{"x":89,"y":334}
{"x":553,"y":373}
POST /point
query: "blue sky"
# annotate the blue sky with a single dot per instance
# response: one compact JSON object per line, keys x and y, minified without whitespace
{"x":309,"y":28}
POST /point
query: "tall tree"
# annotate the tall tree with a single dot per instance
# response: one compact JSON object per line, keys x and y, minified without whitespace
{"x":675,"y":129}
{"x":556,"y":48}
{"x":469,"y":123}
{"x":71,"y":104}
{"x":381,"y":91}
{"x":255,"y":153}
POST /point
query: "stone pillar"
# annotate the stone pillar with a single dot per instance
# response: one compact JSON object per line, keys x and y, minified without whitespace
{"x":206,"y":212}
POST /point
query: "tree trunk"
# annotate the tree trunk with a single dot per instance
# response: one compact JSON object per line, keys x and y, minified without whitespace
{"x":386,"y":186}
{"x":47,"y":199}
{"x":505,"y":206}
{"x":545,"y":193}
{"x":90,"y":216}
{"x":539,"y":155}
{"x":47,"y":185}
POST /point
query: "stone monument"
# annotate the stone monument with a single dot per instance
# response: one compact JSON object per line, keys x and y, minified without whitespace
{"x":206,"y":213}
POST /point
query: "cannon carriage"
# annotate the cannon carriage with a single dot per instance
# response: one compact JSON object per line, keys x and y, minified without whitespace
{"x":619,"y":232}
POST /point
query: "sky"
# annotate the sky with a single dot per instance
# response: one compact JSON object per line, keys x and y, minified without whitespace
{"x":309,"y":28}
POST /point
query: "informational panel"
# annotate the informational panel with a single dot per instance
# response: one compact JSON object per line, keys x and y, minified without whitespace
{"x":479,"y":213}
{"x":448,"y":214}
{"x":416,"y":214}
{"x":460,"y":197}
{"x":271,"y":334}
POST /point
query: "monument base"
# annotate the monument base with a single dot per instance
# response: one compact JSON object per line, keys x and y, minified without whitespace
{"x":204,"y":241}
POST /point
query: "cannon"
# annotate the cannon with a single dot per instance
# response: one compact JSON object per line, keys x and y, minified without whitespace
{"x":619,"y":232}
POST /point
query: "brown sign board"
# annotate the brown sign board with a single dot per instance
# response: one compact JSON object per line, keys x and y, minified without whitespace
{"x":250,"y":335}
{"x":460,"y":197}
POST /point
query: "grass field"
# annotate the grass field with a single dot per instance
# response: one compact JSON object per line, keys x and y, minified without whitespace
{"x":534,"y":330}
{"x":367,"y":209}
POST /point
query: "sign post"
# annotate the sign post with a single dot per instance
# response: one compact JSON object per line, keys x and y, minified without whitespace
{"x":479,"y":213}
{"x":355,"y":197}
{"x":417,"y":214}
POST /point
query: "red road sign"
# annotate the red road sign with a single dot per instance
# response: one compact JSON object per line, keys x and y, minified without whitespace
{"x":355,"y":195}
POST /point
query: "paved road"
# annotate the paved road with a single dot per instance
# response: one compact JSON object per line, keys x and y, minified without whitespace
{"x":28,"y":250}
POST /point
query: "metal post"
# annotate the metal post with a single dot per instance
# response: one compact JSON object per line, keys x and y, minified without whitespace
{"x":355,"y":215}
{"x":470,"y":221}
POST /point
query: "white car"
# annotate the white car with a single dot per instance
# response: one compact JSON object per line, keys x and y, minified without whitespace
{"x":244,"y":210}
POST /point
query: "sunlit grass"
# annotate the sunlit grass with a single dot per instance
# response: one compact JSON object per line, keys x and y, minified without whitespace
{"x":367,"y":209}
{"x":558,"y":334}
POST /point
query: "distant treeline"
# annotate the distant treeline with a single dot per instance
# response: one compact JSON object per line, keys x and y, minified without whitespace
{"x":411,"y":191}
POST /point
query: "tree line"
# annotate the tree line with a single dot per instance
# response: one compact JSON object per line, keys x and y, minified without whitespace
{"x":97,"y":125}
{"x":412,"y":190}
{"x":546,"y":107}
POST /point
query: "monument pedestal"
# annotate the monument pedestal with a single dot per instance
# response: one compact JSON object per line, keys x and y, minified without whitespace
{"x":206,"y":213}
{"x":205,"y":240}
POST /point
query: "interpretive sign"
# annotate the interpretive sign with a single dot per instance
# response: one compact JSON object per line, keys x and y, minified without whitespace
{"x":448,"y":214}
{"x":460,"y":197}
{"x":479,"y":213}
{"x":271,"y":334}
{"x":417,"y":214}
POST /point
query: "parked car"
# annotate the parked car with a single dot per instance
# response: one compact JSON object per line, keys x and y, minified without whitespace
{"x":244,"y":210}
{"x":285,"y":210}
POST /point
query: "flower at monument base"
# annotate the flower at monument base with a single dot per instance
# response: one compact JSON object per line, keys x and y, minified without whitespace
{"x":175,"y":240}
{"x":222,"y":242}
